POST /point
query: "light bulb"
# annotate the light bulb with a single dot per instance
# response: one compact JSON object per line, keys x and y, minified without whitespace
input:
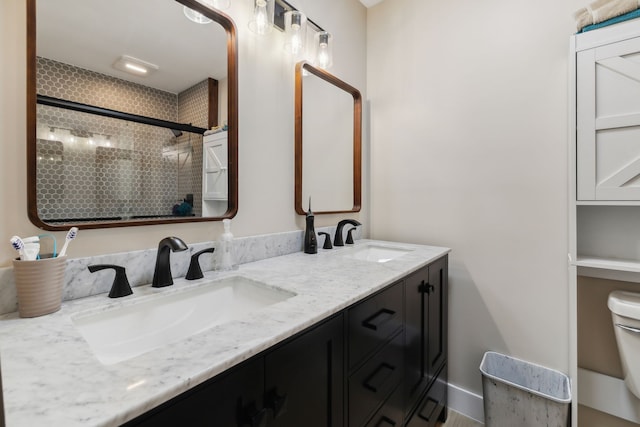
{"x":296,"y":41}
{"x":323,"y":55}
{"x":262,"y":19}
{"x":323,"y":50}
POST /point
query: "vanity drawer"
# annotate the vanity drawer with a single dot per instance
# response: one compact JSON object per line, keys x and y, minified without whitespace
{"x":390,"y":415}
{"x":373,"y":322}
{"x":429,"y":410}
{"x":370,"y":385}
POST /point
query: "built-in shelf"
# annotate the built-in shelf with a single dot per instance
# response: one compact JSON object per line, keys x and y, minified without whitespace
{"x":608,"y":268}
{"x":608,"y":203}
{"x":608,"y":263}
{"x":607,"y":394}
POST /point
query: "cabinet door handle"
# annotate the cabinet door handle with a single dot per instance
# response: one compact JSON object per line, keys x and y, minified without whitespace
{"x":427,"y":410}
{"x":376,"y":321}
{"x":379,"y":377}
{"x":425,"y":287}
{"x":384,"y":421}
{"x":252,"y":417}
{"x":277,"y":403}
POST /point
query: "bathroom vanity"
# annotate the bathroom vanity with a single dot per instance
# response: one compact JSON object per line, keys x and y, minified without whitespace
{"x":360,"y":340}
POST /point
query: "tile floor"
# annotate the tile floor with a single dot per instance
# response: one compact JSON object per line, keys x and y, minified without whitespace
{"x":454,"y":419}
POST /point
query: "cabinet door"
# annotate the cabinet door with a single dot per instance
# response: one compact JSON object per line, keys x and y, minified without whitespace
{"x":304,"y":379}
{"x":437,"y":316}
{"x":232,"y":400}
{"x":215,"y":170}
{"x":416,"y":346}
{"x":608,"y":121}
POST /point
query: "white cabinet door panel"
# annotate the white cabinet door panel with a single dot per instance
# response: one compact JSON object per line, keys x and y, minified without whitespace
{"x":608,"y":122}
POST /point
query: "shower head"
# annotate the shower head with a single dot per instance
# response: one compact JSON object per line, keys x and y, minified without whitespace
{"x":176,"y":132}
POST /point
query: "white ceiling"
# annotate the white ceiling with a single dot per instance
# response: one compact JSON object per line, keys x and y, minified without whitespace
{"x":92,"y":34}
{"x":370,"y":3}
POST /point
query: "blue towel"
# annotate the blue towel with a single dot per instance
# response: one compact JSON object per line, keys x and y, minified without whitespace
{"x":627,"y":16}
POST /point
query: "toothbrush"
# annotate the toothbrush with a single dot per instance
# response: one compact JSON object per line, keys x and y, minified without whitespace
{"x":73,"y":232}
{"x":18,"y":245}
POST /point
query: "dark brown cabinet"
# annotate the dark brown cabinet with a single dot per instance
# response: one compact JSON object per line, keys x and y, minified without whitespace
{"x":304,"y":379}
{"x":425,"y":337}
{"x":384,"y":365}
{"x":297,"y":383}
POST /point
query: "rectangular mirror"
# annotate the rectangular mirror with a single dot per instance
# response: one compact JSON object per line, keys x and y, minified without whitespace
{"x":328,"y":140}
{"x":109,"y":147}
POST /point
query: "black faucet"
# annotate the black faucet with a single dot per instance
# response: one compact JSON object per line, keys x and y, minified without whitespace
{"x":162,"y":273}
{"x":337,"y":241}
{"x":120,"y":286}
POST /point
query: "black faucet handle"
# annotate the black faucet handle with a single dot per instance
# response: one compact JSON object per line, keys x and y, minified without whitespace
{"x":327,"y":240}
{"x":350,"y":236}
{"x":195,"y":272}
{"x":120,"y":286}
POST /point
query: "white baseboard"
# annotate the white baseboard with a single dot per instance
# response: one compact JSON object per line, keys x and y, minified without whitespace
{"x":465,"y":402}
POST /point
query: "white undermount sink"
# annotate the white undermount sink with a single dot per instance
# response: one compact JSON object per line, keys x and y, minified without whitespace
{"x":377,"y":252}
{"x":123,"y":332}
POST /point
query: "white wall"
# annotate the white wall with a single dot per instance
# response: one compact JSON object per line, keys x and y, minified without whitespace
{"x":266,"y":159}
{"x":468,"y":107}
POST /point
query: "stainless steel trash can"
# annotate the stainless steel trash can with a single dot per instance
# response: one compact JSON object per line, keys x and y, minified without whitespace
{"x":519,"y":393}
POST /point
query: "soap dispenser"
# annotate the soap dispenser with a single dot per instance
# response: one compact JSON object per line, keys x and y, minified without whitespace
{"x":310,"y":241}
{"x":225,"y":249}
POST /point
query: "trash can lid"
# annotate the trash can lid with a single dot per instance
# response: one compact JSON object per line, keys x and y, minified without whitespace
{"x":625,"y":304}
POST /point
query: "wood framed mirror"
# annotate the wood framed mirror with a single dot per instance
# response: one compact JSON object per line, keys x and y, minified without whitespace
{"x":107,"y":148}
{"x":328,"y":142}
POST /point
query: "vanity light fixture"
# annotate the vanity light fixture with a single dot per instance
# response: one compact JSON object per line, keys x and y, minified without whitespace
{"x":262,"y":21}
{"x":294,"y":23}
{"x":134,"y":66}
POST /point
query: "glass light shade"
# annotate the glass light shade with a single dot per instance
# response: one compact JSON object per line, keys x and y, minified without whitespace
{"x":324,"y":49}
{"x":262,"y":21}
{"x":295,"y":28}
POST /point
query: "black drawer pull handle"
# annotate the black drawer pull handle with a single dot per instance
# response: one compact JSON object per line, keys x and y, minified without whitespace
{"x":252,"y":416}
{"x":382,"y":316}
{"x":429,"y":407}
{"x":276,"y":402}
{"x":384,"y":421}
{"x":379,"y":377}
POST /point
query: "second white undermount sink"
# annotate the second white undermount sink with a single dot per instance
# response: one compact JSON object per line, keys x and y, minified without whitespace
{"x":377,"y":252}
{"x":126,"y":331}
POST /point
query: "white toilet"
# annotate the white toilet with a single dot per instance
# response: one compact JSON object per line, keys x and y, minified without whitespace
{"x":625,"y":311}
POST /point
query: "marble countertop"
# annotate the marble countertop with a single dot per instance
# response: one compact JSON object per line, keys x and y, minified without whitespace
{"x":51,"y":377}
